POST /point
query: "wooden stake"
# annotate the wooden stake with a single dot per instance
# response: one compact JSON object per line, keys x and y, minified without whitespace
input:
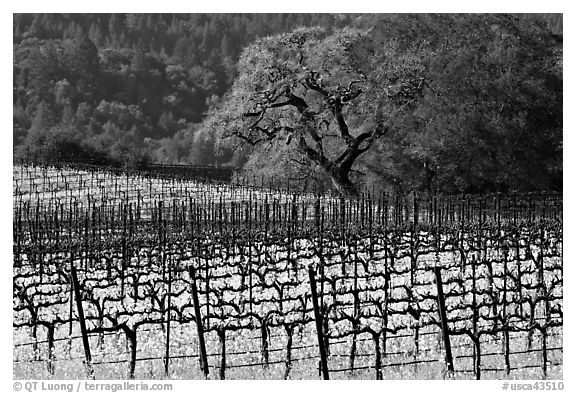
{"x":443,"y":320}
{"x":82,"y":321}
{"x":318,"y":319}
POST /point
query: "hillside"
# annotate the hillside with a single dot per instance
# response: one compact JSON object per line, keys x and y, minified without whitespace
{"x":126,"y":88}
{"x":119,"y":83}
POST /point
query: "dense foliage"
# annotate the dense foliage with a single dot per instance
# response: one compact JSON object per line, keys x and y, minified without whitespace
{"x":490,"y":117}
{"x":451,"y":102}
{"x":127,"y":88}
{"x":116,"y":84}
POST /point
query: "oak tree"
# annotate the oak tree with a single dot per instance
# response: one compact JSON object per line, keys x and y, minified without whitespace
{"x":311,"y":90}
{"x":463,"y":103}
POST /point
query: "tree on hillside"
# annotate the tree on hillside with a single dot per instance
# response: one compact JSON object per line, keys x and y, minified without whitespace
{"x":463,"y":102}
{"x":307,"y":89}
{"x":491,"y":88}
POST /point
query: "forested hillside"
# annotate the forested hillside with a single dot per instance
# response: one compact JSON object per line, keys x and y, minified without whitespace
{"x":130,"y":88}
{"x":118,"y":84}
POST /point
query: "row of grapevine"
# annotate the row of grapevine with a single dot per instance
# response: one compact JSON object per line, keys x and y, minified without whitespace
{"x":283,"y":281}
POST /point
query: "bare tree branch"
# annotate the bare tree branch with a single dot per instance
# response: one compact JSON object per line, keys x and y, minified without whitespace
{"x":313,"y":83}
{"x":250,"y":141}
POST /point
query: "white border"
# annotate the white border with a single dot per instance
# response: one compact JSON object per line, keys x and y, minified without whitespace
{"x":356,"y":6}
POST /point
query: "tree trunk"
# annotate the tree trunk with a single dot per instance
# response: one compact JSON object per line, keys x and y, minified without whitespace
{"x":341,"y":182}
{"x":427,"y":177}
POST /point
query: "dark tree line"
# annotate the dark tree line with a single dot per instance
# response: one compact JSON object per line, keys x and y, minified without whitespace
{"x":129,"y":86}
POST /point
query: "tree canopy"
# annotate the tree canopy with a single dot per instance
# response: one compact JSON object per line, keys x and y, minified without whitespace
{"x":492,"y":116}
{"x":452,"y":102}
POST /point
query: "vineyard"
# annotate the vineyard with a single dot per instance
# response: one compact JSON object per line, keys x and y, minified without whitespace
{"x":127,"y":275}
